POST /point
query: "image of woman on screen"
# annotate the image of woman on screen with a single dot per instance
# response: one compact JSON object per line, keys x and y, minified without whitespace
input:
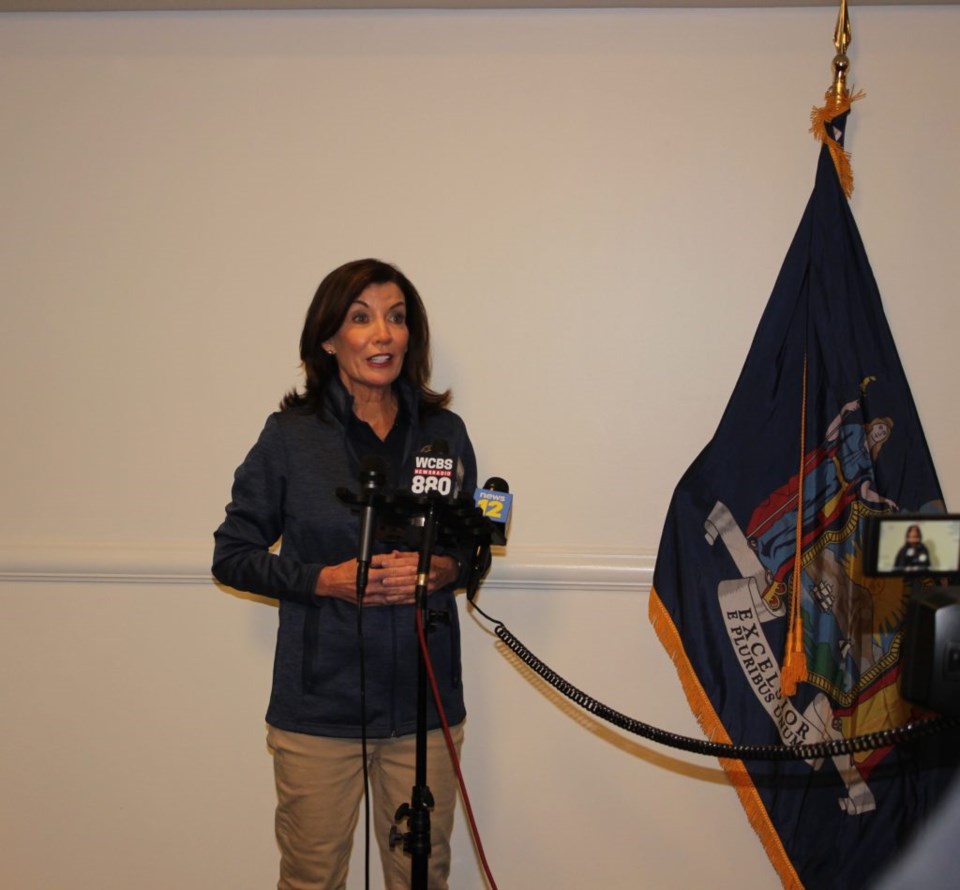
{"x":913,"y":555}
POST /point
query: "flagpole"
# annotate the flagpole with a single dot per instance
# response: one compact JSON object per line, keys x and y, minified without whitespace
{"x":837,"y":101}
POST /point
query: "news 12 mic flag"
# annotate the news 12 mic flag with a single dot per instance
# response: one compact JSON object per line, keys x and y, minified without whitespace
{"x":764,"y":532}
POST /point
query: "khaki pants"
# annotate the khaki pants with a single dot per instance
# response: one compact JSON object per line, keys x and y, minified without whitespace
{"x":319,"y":796}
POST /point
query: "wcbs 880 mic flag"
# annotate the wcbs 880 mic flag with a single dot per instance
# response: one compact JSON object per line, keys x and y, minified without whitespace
{"x":436,"y":471}
{"x":759,"y":593}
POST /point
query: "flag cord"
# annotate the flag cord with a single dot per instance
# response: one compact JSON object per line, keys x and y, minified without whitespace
{"x":813,"y":751}
{"x":794,"y":661}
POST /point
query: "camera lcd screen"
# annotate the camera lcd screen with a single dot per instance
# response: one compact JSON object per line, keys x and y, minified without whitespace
{"x":914,"y":545}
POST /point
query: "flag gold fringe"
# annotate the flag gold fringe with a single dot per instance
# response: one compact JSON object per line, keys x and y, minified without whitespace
{"x":794,"y":670}
{"x":833,"y":107}
{"x":714,"y":729}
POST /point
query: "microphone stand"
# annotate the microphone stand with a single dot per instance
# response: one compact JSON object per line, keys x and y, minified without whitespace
{"x":416,"y":841}
{"x":450,"y":523}
{"x":372,"y":474}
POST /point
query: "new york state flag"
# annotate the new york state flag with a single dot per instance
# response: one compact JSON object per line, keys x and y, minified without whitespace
{"x":764,"y":533}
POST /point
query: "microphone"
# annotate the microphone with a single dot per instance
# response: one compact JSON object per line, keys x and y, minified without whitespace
{"x":373,"y":474}
{"x":496,"y":504}
{"x":436,"y":472}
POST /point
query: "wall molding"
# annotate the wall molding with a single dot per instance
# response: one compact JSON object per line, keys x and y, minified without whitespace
{"x":188,"y":562}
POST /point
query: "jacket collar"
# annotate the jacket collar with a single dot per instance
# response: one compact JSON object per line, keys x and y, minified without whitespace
{"x":339,"y":403}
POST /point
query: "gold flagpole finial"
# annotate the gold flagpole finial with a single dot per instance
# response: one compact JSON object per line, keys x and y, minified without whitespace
{"x":837,"y":101}
{"x":842,"y":36}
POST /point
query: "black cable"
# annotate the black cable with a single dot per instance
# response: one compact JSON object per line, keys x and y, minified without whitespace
{"x":871,"y":741}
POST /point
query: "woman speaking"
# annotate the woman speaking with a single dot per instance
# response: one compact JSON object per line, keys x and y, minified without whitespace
{"x":365,"y":350}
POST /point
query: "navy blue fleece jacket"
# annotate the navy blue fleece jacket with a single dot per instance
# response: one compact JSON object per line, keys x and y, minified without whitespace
{"x":285,"y":490}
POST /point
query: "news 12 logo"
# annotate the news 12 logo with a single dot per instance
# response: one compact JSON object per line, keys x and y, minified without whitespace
{"x":495,"y":505}
{"x":433,"y":474}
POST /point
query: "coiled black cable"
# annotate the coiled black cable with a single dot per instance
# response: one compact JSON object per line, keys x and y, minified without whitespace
{"x":814,"y":751}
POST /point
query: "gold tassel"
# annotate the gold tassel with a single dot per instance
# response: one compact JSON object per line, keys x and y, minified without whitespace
{"x":794,"y":669}
{"x":833,"y":107}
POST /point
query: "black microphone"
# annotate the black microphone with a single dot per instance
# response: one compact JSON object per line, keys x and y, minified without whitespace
{"x":496,"y":504}
{"x":373,"y":474}
{"x":435,"y":480}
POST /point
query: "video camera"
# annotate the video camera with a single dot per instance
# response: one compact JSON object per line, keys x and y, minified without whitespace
{"x":925,"y":549}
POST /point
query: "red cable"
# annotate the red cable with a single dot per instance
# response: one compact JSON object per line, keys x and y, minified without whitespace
{"x":474,"y":831}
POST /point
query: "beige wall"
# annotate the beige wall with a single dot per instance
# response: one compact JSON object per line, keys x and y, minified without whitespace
{"x":594,"y":205}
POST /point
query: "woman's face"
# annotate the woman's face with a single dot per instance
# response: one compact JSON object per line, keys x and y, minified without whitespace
{"x":372,"y":340}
